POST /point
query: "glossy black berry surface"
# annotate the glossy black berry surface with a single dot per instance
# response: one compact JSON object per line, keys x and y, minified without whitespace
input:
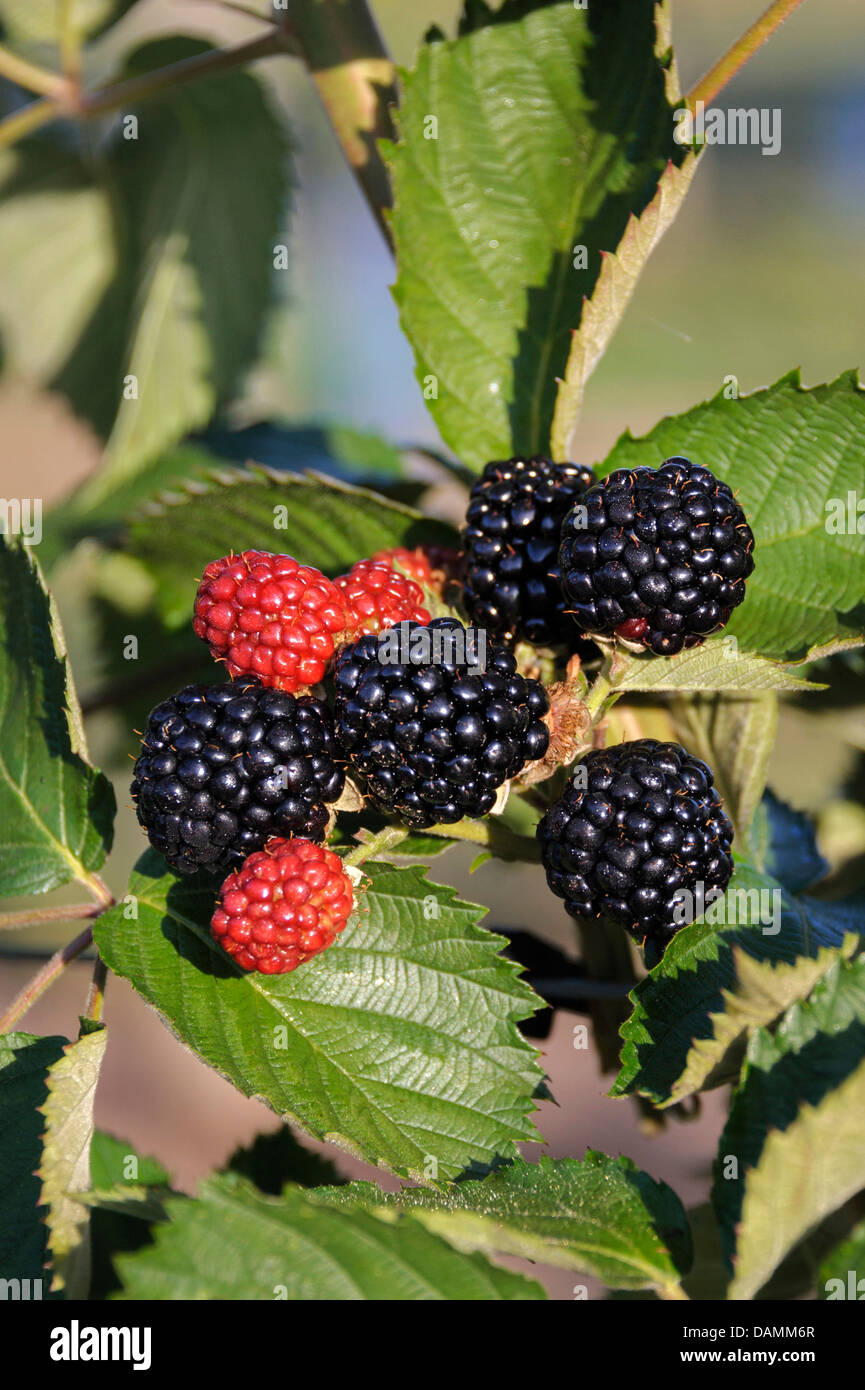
{"x":511,"y":542}
{"x":433,"y":742}
{"x":639,"y":832}
{"x":223,"y":767}
{"x":656,"y":556}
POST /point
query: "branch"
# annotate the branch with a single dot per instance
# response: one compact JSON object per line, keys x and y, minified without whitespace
{"x":150,"y":84}
{"x":379,"y":843}
{"x":31,"y":76}
{"x":51,"y":970}
{"x":736,"y":57}
{"x":34,"y":917}
{"x":356,"y":81}
{"x":96,"y":993}
{"x":492,"y":835}
{"x":13,"y":128}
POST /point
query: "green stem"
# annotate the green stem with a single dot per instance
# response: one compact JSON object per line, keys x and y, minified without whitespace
{"x":51,"y":971}
{"x":602,"y":688}
{"x":673,"y":1292}
{"x":356,"y":81}
{"x":382,"y":841}
{"x":100,"y":890}
{"x":492,"y":835}
{"x":30,"y":75}
{"x":14,"y":128}
{"x":737,"y":56}
{"x":137,"y":89}
{"x":96,"y":993}
{"x":70,"y":42}
{"x":11,"y":921}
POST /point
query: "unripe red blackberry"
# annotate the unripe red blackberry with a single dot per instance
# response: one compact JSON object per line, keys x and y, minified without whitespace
{"x":431,"y":566}
{"x":224,"y":767}
{"x":639,"y":827}
{"x":269,"y":617}
{"x":377,"y":596}
{"x":284,"y":905}
{"x":514,"y":519}
{"x":657,"y":556}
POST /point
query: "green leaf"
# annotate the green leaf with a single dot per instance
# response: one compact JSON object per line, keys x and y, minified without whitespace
{"x":715,"y":665}
{"x":24,"y":1064}
{"x":237,"y":1243}
{"x":676,"y":1003}
{"x":602,"y":1216}
{"x":57,"y":811}
{"x":38,"y":21}
{"x":796,"y":1128}
{"x":272,"y":1160}
{"x":323,"y":448}
{"x":319,"y":521}
{"x":833,"y":1279}
{"x":114,"y":1161}
{"x":56,"y":229}
{"x":735,"y":736}
{"x":553,"y":128}
{"x":71,"y":522}
{"x":65,"y":1167}
{"x":397,"y":1044}
{"x":761,"y":992}
{"x":603,"y":311}
{"x":785,"y":845}
{"x":127,"y":1201}
{"x":202,"y":190}
{"x":793,"y":456}
{"x":128,"y":1192}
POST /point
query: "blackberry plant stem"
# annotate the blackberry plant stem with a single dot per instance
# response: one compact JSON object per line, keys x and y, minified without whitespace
{"x":738,"y":54}
{"x":379,"y":843}
{"x":51,"y":970}
{"x":34,"y":917}
{"x":491,"y":835}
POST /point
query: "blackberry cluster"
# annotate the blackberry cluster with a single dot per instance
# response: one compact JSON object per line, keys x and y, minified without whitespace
{"x":656,"y":556}
{"x":514,"y":518}
{"x":432,"y":742}
{"x":637,"y":827}
{"x":224,"y":767}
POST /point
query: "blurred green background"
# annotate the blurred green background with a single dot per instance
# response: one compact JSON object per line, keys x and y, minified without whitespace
{"x":760,"y":273}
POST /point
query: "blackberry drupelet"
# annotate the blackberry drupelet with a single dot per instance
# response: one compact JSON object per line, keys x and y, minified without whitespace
{"x":514,"y":518}
{"x":223,"y":767}
{"x":638,"y":828}
{"x":432,"y":742}
{"x":658,"y":556}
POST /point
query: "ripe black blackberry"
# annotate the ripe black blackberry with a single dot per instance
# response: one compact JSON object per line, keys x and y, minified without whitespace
{"x":432,"y":742}
{"x":638,"y":828}
{"x":514,"y":518}
{"x":659,"y":556}
{"x":223,"y":767}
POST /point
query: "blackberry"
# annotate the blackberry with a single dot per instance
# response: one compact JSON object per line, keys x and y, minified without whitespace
{"x":223,"y":767}
{"x":515,"y":515}
{"x":656,"y":556}
{"x":285,"y":904}
{"x":639,"y":828}
{"x":432,"y":741}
